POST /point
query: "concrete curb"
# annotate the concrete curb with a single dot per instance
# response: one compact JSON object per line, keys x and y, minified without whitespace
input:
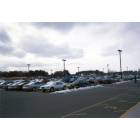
{"x":125,"y":115}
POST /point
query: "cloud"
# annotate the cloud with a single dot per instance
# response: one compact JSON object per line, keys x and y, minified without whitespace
{"x":60,"y":26}
{"x":5,"y":43}
{"x":7,"y":47}
{"x":42,"y":48}
{"x":4,"y":37}
{"x":126,"y":38}
{"x":94,"y":43}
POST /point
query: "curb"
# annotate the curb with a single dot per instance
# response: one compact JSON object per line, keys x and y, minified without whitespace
{"x":125,"y":115}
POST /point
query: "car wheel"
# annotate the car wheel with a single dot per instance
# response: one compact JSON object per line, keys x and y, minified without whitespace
{"x":43,"y":90}
{"x":77,"y":86}
{"x":51,"y":89}
{"x":64,"y":87}
{"x":34,"y":89}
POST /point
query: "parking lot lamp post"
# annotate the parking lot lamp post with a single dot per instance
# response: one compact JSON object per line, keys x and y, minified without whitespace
{"x":103,"y":70}
{"x":78,"y":69}
{"x":28,"y":65}
{"x":108,"y":69}
{"x":64,"y":60}
{"x":127,"y":69}
{"x":120,"y":51}
{"x":138,"y":72}
{"x":51,"y":73}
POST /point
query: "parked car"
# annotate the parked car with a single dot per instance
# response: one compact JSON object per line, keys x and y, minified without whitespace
{"x":106,"y":80}
{"x":6,"y":84}
{"x":32,"y":86}
{"x":2,"y":82}
{"x":80,"y":82}
{"x":17,"y":85}
{"x":53,"y":86}
{"x":92,"y":81}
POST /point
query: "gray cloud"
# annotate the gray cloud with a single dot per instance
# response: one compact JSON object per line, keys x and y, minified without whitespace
{"x":61,"y":26}
{"x":129,"y":34}
{"x":113,"y":36}
{"x":5,"y":43}
{"x":43,"y":48}
{"x":6,"y":46}
{"x":133,"y":27}
{"x":4,"y":37}
{"x":5,"y":49}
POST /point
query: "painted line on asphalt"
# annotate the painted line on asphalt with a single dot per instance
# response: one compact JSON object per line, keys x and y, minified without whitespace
{"x":88,"y":107}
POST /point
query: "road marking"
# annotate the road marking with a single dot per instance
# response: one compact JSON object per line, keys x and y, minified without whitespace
{"x":88,"y":107}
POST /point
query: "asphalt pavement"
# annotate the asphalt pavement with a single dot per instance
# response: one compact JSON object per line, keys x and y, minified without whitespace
{"x":110,"y":101}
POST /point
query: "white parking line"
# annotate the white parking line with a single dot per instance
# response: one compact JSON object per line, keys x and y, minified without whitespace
{"x":88,"y":107}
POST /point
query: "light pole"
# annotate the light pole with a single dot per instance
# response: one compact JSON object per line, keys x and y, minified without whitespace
{"x":127,"y":69}
{"x":103,"y":70}
{"x":108,"y":68}
{"x":51,"y":73}
{"x":120,"y":51}
{"x":64,"y":60}
{"x":78,"y":69}
{"x":28,"y":65}
{"x":64,"y":72}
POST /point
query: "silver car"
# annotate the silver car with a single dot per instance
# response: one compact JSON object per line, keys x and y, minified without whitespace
{"x":53,"y":86}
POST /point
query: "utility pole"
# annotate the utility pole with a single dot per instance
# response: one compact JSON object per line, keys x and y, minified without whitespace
{"x":28,"y":65}
{"x":120,"y":51}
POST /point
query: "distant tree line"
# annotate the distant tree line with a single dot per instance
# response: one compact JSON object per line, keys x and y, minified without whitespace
{"x":56,"y":74}
{"x":35,"y":73}
{"x":87,"y":72}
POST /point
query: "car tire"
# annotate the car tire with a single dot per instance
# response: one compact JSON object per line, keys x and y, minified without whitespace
{"x":64,"y":87}
{"x":34,"y":89}
{"x":51,"y":89}
{"x":43,"y":90}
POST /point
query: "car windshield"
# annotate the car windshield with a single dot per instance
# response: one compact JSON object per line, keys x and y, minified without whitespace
{"x":16,"y":83}
{"x":2,"y":82}
{"x":20,"y":83}
{"x":31,"y":83}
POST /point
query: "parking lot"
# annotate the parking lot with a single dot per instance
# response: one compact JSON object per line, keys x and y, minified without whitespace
{"x":105,"y":101}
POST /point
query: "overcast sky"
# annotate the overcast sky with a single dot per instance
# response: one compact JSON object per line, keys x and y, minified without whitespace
{"x":85,"y":45}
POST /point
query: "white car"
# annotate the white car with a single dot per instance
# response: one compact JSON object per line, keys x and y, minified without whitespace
{"x":2,"y":82}
{"x":15,"y":84}
{"x":53,"y":86}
